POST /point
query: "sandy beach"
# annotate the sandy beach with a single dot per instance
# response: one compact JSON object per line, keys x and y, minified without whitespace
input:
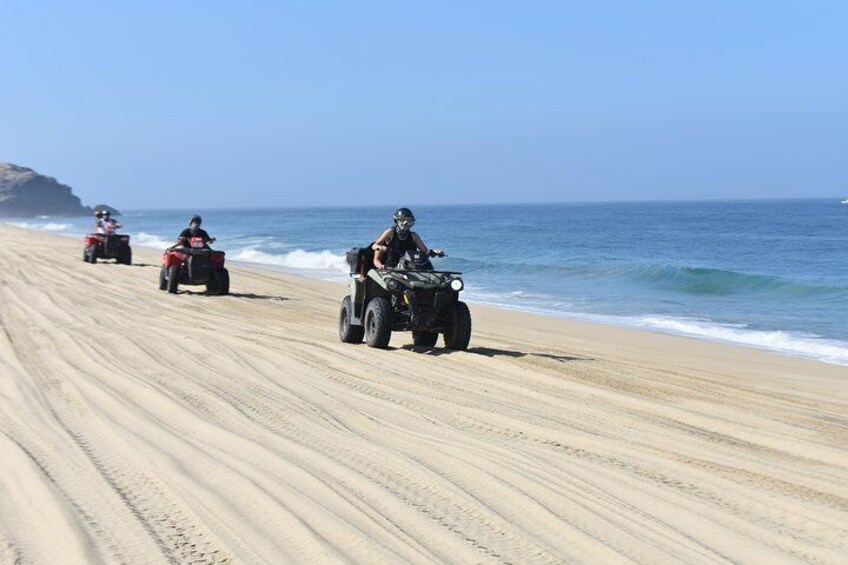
{"x":142,"y":427}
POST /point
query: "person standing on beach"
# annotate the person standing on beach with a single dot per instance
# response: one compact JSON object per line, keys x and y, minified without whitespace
{"x":398,"y":240}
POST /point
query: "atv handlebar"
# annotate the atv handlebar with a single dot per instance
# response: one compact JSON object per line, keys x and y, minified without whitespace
{"x":190,"y":250}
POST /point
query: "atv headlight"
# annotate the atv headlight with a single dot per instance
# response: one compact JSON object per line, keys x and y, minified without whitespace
{"x":456,"y":284}
{"x":392,"y":284}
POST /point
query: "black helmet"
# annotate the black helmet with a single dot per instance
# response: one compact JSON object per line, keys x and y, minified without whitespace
{"x":403,"y":213}
{"x":194,"y":219}
{"x":404,"y":220}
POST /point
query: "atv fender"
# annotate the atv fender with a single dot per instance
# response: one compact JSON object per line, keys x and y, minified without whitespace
{"x":171,"y":259}
{"x":362,"y":290}
{"x":375,"y":276}
{"x":357,"y":298}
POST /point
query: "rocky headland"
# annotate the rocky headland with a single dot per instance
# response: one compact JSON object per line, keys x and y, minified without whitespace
{"x":26,"y":193}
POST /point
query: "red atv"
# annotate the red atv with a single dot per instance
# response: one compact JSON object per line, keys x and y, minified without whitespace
{"x":194,"y":265}
{"x":107,"y":246}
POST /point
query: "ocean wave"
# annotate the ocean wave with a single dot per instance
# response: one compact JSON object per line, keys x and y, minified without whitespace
{"x":149,"y":240}
{"x":48,"y":226}
{"x":789,"y":343}
{"x":296,"y":259}
{"x":804,"y":345}
{"x":702,"y":280}
{"x":674,"y":278}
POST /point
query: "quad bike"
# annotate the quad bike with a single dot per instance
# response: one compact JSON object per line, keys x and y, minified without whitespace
{"x":411,"y":297}
{"x":107,"y":246}
{"x":194,"y":265}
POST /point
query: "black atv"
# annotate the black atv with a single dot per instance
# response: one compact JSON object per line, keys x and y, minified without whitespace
{"x":410,"y":297}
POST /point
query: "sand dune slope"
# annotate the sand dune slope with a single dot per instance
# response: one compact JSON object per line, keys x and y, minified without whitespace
{"x":141,"y":427}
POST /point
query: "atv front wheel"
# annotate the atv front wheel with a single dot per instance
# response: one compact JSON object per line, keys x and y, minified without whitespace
{"x":173,"y":279}
{"x":92,"y":254}
{"x":458,"y":331}
{"x":425,"y":339}
{"x":378,"y":323}
{"x":347,"y":332}
{"x":163,"y":278}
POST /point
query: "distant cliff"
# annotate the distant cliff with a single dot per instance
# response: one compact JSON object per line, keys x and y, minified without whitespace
{"x":23,"y":193}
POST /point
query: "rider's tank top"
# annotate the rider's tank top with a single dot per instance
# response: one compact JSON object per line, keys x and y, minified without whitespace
{"x":398,"y":248}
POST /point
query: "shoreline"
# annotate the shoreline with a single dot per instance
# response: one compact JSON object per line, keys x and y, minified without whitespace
{"x":782,"y":342}
{"x":138,"y":426}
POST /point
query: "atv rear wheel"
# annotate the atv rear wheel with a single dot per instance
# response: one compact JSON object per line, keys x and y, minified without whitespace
{"x":378,"y":323}
{"x":458,"y":331}
{"x":425,"y":339}
{"x":163,"y":278}
{"x":349,"y":333}
{"x":223,"y":279}
{"x":126,"y":257}
{"x":219,"y":283}
{"x":173,"y":279}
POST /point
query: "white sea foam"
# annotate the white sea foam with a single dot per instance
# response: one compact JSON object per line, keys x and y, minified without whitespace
{"x":149,"y":240}
{"x":296,"y":259}
{"x":790,"y":343}
{"x":804,"y":345}
{"x":48,"y":226}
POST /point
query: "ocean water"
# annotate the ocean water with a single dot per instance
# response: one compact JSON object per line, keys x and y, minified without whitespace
{"x":768,"y":274}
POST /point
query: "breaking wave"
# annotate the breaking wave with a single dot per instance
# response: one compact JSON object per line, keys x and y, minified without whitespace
{"x":804,"y":345}
{"x":674,"y":278}
{"x":700,"y":280}
{"x":296,"y":259}
{"x":149,"y":240}
{"x":47,"y":226}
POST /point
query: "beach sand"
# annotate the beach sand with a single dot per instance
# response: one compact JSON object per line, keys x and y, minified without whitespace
{"x":142,"y":427}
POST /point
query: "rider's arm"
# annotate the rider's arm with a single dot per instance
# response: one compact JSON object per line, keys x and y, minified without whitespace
{"x":382,"y":241}
{"x":182,"y":239}
{"x":419,"y":243}
{"x":422,"y":247}
{"x":380,"y":247}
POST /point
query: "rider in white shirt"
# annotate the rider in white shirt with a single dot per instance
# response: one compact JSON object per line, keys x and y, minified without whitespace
{"x":106,"y":225}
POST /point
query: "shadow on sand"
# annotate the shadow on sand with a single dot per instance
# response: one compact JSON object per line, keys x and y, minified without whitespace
{"x":493,"y":352}
{"x":254,"y":296}
{"x":248,"y":295}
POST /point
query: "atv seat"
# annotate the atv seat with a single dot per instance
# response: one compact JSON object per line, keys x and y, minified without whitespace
{"x":360,"y":260}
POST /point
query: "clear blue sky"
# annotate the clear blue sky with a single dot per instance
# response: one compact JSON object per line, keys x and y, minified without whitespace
{"x":167,"y":104}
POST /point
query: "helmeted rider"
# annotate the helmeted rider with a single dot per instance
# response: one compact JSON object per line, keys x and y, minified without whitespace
{"x":393,"y":243}
{"x":107,"y":226}
{"x":193,"y":231}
